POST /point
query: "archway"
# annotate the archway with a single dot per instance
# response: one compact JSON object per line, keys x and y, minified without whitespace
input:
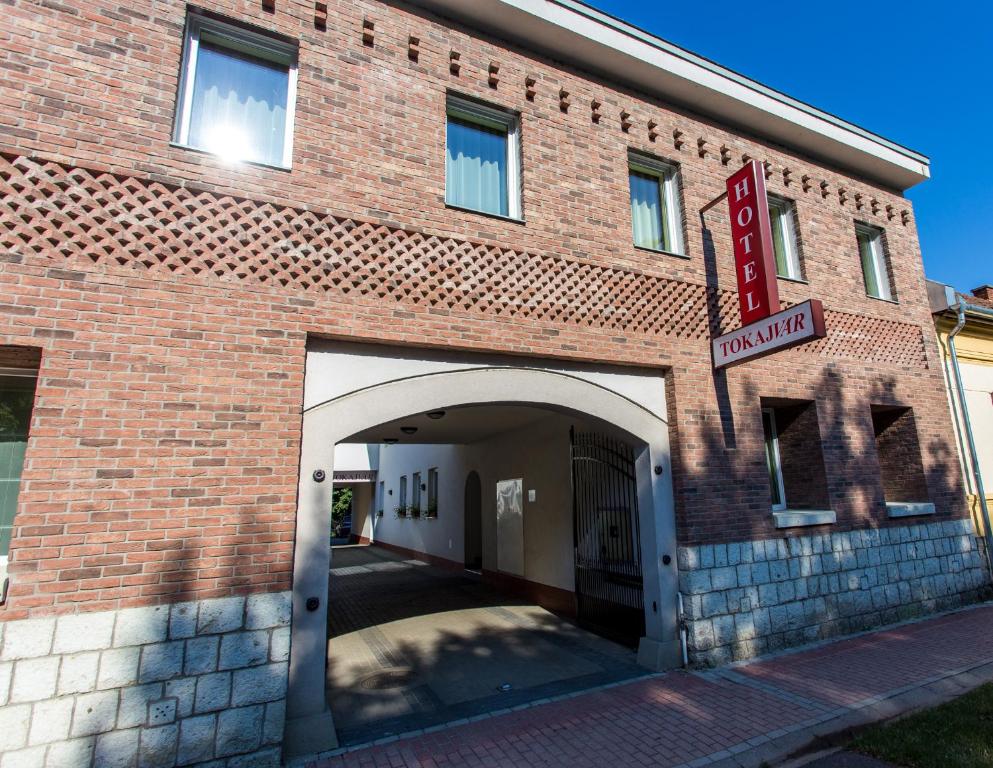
{"x":310,"y":726}
{"x":473,"y":510}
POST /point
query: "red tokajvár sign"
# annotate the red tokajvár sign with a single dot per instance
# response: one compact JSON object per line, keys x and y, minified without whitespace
{"x":763,"y":330}
{"x":800,"y":323}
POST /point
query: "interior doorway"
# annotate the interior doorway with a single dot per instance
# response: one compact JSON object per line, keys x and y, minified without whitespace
{"x":473,"y":522}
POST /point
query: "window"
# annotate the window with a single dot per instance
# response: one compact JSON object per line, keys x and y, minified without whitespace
{"x":16,"y":400}
{"x":795,"y":463}
{"x":874,"y":272}
{"x":433,"y":492}
{"x":655,"y":217}
{"x":898,"y":448}
{"x":482,"y":160}
{"x":784,"y":241}
{"x":403,"y":495}
{"x":772,"y":458}
{"x":237,"y":93}
{"x":416,"y":496}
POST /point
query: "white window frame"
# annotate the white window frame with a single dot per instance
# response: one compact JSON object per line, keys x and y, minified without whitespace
{"x":668,"y":176}
{"x":777,"y":459}
{"x":433,"y":489}
{"x":788,"y":232}
{"x":882,"y":276}
{"x":415,"y":492}
{"x":239,"y":39}
{"x":22,"y":373}
{"x":490,"y":117}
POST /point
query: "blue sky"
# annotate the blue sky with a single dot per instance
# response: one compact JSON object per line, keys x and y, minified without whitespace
{"x":920,"y":74}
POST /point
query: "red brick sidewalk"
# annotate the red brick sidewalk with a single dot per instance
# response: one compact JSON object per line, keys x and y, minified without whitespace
{"x":696,"y":719}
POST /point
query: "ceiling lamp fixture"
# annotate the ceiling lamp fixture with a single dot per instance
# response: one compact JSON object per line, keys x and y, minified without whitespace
{"x":390,"y":440}
{"x":408,"y":430}
{"x":435,"y":414}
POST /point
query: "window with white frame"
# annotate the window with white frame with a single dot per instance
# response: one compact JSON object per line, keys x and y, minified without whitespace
{"x":415,"y":501}
{"x":875,"y":274}
{"x":237,"y":93}
{"x":773,"y":459}
{"x":17,"y":389}
{"x":656,"y":220}
{"x":784,"y":240}
{"x":482,"y":159}
{"x":433,"y":492}
{"x":402,"y":506}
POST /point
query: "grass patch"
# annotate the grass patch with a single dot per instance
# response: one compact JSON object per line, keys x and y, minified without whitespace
{"x":958,"y":734}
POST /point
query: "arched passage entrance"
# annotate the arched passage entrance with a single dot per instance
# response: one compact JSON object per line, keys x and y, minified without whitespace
{"x":309,"y":725}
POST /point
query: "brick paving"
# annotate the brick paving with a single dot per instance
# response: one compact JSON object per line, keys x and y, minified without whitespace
{"x":692,"y":719}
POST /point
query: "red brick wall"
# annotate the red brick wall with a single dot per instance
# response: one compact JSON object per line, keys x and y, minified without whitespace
{"x":899,"y":452}
{"x":804,"y":479}
{"x":172,"y":296}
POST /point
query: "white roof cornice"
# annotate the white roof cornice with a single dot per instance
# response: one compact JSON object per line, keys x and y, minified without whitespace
{"x":572,"y":31}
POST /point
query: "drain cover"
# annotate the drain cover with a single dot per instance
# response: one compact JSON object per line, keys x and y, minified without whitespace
{"x":397,"y":677}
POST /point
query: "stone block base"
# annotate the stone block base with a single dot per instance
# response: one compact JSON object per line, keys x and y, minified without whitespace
{"x":191,"y":683}
{"x":748,"y":598}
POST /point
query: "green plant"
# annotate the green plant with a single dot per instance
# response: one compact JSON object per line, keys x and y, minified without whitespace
{"x":400,"y":510}
{"x":432,"y":508}
{"x":341,"y":505}
{"x":414,"y":511}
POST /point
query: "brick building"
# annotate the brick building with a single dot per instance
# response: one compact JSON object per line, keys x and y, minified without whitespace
{"x":506,"y":198}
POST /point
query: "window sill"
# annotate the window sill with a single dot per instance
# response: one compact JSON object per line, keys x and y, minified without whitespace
{"x":230,"y":163}
{"x":880,"y":298}
{"x":799,"y":518}
{"x":909,"y":508}
{"x":660,"y":252}
{"x":799,"y":280}
{"x":487,"y":214}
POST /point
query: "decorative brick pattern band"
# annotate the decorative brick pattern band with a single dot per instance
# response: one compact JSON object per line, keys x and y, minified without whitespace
{"x":52,"y":209}
{"x":164,"y":685}
{"x":751,"y":597}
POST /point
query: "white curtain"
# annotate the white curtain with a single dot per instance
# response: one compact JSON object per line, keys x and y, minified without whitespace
{"x":239,"y":105}
{"x":872,"y":286}
{"x":476,"y":167}
{"x":649,"y":218}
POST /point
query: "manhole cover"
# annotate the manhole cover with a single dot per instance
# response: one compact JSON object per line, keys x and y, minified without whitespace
{"x":398,"y":677}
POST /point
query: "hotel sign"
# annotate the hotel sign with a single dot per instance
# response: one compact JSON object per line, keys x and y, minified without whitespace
{"x":796,"y":325}
{"x":751,"y":233}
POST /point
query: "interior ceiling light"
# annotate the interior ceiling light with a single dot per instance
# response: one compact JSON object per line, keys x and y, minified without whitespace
{"x":390,"y":440}
{"x":435,"y":414}
{"x":408,"y":430}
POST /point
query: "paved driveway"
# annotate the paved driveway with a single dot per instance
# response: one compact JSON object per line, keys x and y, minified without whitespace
{"x":742,"y":716}
{"x":413,"y":645}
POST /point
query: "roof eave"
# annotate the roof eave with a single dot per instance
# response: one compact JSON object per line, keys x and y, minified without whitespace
{"x":574,"y":32}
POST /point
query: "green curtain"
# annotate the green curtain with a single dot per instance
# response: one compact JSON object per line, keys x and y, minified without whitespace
{"x":649,"y":217}
{"x":476,"y":167}
{"x":868,"y":265}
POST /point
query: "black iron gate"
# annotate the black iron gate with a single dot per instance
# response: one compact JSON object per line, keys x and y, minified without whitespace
{"x":609,"y":586}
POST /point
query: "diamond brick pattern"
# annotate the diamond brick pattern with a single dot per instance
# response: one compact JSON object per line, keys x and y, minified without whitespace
{"x":52,"y":210}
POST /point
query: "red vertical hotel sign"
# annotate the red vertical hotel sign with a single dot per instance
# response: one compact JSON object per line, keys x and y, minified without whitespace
{"x":751,"y":232}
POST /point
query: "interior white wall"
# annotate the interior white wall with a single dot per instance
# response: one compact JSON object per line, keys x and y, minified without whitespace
{"x":356,"y":457}
{"x":441,"y":536}
{"x":538,"y":453}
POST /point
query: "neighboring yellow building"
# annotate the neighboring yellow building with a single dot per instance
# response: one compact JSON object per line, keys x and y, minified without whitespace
{"x":972,"y":314}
